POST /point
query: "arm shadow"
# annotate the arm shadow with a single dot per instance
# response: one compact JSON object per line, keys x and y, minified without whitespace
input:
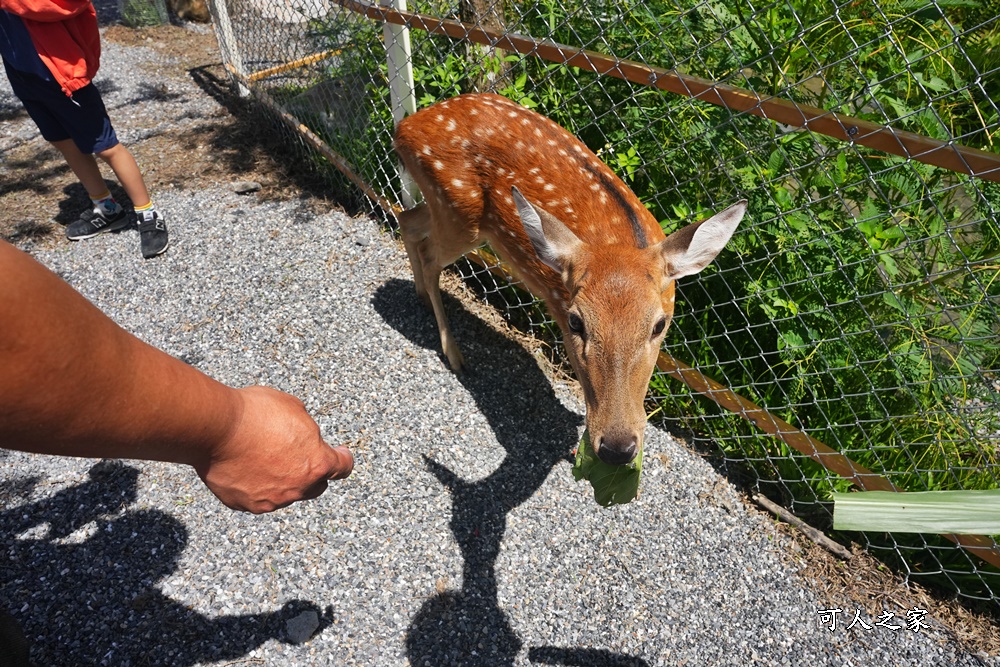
{"x":77,"y":565}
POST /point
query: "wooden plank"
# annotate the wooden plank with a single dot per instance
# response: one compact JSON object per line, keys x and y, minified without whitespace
{"x":292,"y":64}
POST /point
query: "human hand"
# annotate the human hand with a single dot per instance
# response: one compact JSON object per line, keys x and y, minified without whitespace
{"x":273,"y":457}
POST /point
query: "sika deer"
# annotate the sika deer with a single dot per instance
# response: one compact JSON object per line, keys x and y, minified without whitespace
{"x":491,"y":170}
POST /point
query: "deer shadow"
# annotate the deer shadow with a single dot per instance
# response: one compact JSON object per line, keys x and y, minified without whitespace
{"x":81,"y":577}
{"x":467,"y":626}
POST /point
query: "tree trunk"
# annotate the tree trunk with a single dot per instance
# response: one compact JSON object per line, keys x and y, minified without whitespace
{"x":487,"y":71}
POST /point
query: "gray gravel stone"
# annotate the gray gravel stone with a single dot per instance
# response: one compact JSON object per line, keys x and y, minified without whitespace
{"x":245,"y":187}
{"x":301,"y":627}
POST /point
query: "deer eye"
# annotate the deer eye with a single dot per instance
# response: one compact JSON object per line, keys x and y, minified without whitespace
{"x":575,"y":324}
{"x":660,"y":325}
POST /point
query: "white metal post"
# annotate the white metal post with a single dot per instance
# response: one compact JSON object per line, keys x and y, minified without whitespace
{"x":402,"y":95}
{"x":227,"y":43}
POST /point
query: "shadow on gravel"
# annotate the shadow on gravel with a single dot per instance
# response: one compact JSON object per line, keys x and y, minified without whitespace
{"x":582,"y":657}
{"x":79,"y":572}
{"x":253,"y":135}
{"x":38,"y":175}
{"x":32,"y":174}
{"x":467,"y":626}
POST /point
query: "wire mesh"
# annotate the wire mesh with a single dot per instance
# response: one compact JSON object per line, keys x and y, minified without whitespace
{"x":858,"y":304}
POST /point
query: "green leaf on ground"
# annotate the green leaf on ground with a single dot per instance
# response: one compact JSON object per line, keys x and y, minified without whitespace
{"x":613,"y":485}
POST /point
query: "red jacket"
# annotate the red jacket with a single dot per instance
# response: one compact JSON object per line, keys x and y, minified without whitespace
{"x":65,"y":34}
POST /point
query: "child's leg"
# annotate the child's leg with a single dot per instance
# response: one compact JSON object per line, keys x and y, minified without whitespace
{"x":127,"y":171}
{"x":152,"y":229}
{"x":108,"y":215}
{"x":84,"y":166}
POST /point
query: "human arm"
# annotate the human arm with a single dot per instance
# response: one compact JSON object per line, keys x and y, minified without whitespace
{"x":256,"y":448}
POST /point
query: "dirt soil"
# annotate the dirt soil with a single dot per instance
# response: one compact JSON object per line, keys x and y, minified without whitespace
{"x":39,"y":194}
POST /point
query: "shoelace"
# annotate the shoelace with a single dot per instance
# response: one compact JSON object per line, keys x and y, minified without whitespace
{"x":149,"y":225}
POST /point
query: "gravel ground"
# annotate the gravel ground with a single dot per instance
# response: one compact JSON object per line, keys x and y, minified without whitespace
{"x":461,"y":538}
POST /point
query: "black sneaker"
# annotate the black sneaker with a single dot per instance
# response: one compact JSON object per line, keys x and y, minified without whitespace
{"x":152,"y":234}
{"x":94,"y":222}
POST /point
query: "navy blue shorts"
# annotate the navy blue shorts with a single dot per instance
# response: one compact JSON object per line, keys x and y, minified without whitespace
{"x":81,"y":118}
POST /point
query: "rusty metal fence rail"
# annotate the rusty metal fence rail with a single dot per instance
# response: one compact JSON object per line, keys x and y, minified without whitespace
{"x":849,"y":335}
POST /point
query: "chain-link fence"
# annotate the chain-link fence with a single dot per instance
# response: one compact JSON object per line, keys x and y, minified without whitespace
{"x":848,"y":335}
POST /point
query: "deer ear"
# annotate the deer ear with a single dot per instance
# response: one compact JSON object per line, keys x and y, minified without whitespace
{"x":553,"y":241}
{"x":692,"y":248}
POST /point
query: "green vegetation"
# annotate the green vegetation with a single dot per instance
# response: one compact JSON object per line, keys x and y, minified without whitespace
{"x":143,"y":13}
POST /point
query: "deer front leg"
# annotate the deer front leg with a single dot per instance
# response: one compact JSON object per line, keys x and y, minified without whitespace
{"x":432,"y":285}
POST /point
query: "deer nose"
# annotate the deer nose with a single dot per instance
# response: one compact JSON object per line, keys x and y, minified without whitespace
{"x":617,"y":451}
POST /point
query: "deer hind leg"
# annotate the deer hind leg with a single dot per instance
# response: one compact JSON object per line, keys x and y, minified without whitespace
{"x":415,"y":228}
{"x":427,"y":259}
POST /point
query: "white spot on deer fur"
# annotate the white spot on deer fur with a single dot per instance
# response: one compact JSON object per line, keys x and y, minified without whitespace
{"x":549,"y":187}
{"x":457,"y":183}
{"x":438,"y":165}
{"x":451,"y":125}
{"x":552,"y":142}
{"x":538,"y":131}
{"x":512,"y":114}
{"x":426,"y":150}
{"x":509,"y":199}
{"x":534,"y":170}
{"x":511,"y":232}
{"x":439,"y":117}
{"x":473,"y":112}
{"x":568,"y":211}
{"x":604,"y":198}
{"x":465,"y":143}
{"x":563,"y":152}
{"x":519,"y":145}
{"x":595,"y":186}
